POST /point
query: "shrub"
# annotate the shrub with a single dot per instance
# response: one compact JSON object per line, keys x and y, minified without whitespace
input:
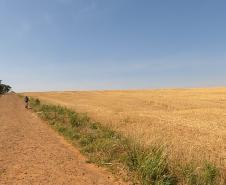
{"x":37,"y":102}
{"x":4,"y":88}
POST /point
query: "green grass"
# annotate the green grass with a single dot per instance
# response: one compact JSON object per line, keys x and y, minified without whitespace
{"x":105,"y":147}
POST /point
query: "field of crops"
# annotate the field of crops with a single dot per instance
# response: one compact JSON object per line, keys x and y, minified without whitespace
{"x":190,"y":123}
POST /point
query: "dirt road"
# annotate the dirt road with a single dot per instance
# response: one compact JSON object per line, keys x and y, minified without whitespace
{"x":31,"y":153}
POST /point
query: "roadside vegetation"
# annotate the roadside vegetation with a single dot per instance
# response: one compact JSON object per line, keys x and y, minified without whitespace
{"x":124,"y":156}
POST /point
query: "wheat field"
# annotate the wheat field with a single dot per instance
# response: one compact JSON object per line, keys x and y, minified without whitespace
{"x":190,"y":123}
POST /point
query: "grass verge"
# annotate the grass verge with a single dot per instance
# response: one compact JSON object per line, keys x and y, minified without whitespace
{"x":105,"y":147}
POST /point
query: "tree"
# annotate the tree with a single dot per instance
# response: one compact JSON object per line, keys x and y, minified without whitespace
{"x":4,"y":88}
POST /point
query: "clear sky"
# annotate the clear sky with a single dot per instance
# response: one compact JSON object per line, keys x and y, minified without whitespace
{"x":112,"y":44}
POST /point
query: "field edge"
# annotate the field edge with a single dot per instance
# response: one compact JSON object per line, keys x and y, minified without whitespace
{"x":121,"y":155}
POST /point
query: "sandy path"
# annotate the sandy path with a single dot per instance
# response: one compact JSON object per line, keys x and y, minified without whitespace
{"x":31,"y":153}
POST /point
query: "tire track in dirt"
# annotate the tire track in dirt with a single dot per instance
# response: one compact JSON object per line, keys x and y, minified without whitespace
{"x":31,"y":153}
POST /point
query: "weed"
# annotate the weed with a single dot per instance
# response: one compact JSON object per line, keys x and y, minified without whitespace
{"x":210,"y":174}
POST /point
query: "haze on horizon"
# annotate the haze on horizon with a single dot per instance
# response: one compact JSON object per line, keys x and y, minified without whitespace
{"x":112,"y":44}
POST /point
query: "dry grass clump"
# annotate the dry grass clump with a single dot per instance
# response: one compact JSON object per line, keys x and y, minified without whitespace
{"x":190,"y":123}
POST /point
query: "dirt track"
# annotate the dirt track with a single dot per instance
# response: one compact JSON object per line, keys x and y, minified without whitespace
{"x":31,"y":153}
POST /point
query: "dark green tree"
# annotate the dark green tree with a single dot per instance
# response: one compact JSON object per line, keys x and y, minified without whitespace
{"x":4,"y":88}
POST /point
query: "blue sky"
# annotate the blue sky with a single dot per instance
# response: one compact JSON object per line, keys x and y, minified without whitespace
{"x":112,"y":44}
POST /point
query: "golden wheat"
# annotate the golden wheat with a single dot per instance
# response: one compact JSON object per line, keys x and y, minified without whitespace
{"x":191,"y":123}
